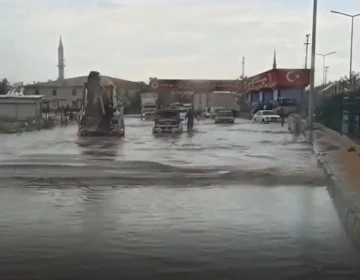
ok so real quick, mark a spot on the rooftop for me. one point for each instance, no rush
(81, 80)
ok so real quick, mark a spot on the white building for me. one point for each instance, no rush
(63, 92)
(18, 107)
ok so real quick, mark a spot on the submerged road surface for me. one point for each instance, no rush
(242, 201)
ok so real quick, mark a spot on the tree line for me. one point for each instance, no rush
(5, 86)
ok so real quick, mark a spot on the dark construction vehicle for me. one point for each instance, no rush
(101, 114)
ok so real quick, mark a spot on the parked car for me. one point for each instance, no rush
(266, 116)
(214, 110)
(167, 121)
(224, 116)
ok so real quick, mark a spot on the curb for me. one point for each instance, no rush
(348, 214)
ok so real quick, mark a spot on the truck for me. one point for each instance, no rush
(149, 102)
(200, 102)
(101, 113)
(224, 99)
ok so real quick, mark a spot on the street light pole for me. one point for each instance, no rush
(312, 69)
(243, 68)
(352, 36)
(324, 56)
(306, 49)
(351, 47)
(326, 72)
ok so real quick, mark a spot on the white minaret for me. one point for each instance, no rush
(61, 61)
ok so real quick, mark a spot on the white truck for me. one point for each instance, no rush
(200, 101)
(225, 99)
(148, 104)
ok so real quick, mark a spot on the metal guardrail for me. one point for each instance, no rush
(340, 112)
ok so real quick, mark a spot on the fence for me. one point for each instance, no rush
(340, 112)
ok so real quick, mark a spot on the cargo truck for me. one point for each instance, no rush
(149, 102)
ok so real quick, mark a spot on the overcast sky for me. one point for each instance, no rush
(138, 39)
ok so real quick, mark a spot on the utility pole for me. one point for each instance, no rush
(326, 68)
(307, 43)
(312, 69)
(243, 68)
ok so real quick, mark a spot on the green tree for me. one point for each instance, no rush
(4, 86)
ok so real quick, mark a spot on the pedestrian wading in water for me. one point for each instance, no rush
(190, 115)
(281, 113)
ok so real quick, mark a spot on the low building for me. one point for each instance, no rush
(63, 92)
(18, 107)
(277, 83)
(60, 93)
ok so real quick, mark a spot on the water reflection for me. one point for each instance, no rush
(170, 137)
(100, 148)
(184, 206)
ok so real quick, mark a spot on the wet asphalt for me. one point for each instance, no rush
(241, 201)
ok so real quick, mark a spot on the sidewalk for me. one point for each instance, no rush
(340, 157)
(334, 148)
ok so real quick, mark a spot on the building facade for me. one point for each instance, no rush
(20, 107)
(68, 92)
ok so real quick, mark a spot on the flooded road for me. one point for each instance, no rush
(242, 201)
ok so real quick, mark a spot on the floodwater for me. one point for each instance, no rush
(242, 201)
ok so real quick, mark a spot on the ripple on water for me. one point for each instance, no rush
(145, 232)
(220, 216)
(153, 173)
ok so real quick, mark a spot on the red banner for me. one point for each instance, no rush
(279, 78)
(166, 85)
(292, 78)
(261, 81)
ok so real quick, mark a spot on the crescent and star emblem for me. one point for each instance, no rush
(291, 76)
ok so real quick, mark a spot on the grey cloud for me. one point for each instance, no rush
(140, 40)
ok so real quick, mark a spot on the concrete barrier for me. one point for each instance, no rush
(295, 124)
(346, 200)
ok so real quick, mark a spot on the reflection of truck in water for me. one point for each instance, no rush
(148, 104)
(101, 114)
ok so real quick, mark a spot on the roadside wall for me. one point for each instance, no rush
(346, 198)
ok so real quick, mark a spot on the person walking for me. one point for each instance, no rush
(190, 115)
(281, 113)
